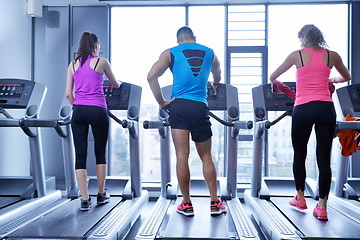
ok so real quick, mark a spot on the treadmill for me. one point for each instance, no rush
(347, 190)
(63, 129)
(114, 219)
(22, 195)
(268, 198)
(349, 100)
(164, 222)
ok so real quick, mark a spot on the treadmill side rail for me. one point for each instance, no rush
(32, 216)
(244, 226)
(150, 227)
(117, 224)
(273, 224)
(344, 207)
(32, 204)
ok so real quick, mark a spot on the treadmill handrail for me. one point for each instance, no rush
(266, 124)
(223, 122)
(287, 113)
(56, 124)
(126, 123)
(156, 124)
(355, 125)
(238, 124)
(26, 123)
(9, 122)
(34, 122)
(14, 122)
(5, 113)
(123, 123)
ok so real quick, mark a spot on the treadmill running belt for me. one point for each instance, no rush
(5, 201)
(338, 225)
(67, 221)
(200, 226)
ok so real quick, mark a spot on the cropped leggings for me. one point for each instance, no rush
(322, 115)
(82, 118)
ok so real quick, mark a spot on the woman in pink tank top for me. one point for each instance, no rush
(85, 75)
(313, 107)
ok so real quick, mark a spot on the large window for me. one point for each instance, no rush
(284, 23)
(286, 20)
(250, 41)
(246, 53)
(138, 36)
(207, 22)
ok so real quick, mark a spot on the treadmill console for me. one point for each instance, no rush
(15, 93)
(218, 101)
(264, 98)
(117, 98)
(127, 97)
(349, 99)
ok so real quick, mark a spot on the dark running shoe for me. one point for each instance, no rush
(103, 198)
(217, 208)
(186, 209)
(85, 204)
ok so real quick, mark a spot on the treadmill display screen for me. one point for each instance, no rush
(278, 102)
(218, 101)
(11, 90)
(117, 98)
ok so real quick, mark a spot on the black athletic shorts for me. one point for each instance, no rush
(191, 115)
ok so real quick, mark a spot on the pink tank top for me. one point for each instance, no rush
(89, 86)
(312, 80)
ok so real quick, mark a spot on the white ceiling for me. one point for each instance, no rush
(173, 2)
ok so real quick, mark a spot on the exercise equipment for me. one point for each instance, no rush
(268, 197)
(112, 220)
(164, 222)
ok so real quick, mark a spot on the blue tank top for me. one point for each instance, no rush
(191, 66)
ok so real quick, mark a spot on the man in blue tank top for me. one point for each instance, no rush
(190, 64)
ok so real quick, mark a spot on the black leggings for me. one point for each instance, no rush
(322, 115)
(97, 118)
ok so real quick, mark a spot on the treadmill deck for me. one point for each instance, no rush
(6, 201)
(337, 226)
(200, 226)
(66, 221)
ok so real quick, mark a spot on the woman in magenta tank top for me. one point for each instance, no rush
(85, 75)
(313, 107)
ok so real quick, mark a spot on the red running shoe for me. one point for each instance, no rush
(185, 209)
(320, 213)
(300, 204)
(217, 208)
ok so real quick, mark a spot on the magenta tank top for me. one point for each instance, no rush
(312, 80)
(89, 86)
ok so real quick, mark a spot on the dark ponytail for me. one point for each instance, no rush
(86, 46)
